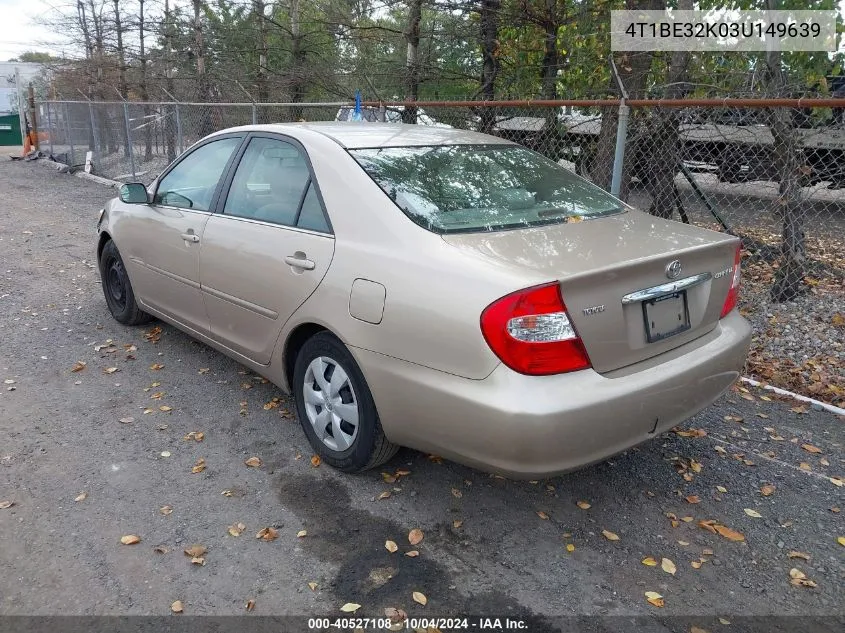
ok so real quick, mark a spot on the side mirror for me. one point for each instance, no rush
(133, 193)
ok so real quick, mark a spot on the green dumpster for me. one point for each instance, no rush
(10, 130)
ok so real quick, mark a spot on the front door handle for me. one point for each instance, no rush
(299, 262)
(191, 237)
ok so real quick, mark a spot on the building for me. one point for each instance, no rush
(14, 77)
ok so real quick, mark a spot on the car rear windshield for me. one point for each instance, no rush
(474, 188)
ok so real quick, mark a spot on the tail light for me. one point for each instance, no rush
(531, 333)
(733, 293)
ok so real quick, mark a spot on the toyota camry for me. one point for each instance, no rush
(433, 288)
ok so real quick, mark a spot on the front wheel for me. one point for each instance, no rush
(118, 290)
(335, 407)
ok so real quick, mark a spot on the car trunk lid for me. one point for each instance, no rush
(625, 297)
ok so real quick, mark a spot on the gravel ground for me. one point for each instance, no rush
(492, 547)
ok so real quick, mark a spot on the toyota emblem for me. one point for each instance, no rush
(673, 269)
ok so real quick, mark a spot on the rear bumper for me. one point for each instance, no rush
(536, 426)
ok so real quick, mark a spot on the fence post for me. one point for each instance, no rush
(69, 129)
(95, 133)
(50, 127)
(33, 122)
(180, 142)
(129, 143)
(254, 115)
(619, 152)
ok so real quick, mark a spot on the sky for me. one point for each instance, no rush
(18, 32)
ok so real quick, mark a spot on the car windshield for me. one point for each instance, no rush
(473, 188)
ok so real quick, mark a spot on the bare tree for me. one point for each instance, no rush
(489, 23)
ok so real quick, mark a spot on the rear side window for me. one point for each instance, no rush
(269, 182)
(473, 188)
(311, 215)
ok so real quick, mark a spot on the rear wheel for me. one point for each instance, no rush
(118, 290)
(335, 407)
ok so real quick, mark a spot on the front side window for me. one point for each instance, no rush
(192, 182)
(472, 188)
(269, 182)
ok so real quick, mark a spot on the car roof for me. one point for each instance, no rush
(355, 135)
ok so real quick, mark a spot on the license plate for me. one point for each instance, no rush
(666, 316)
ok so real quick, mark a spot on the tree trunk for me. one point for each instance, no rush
(412, 61)
(662, 156)
(789, 205)
(261, 50)
(633, 71)
(169, 113)
(203, 86)
(299, 58)
(142, 82)
(121, 77)
(490, 59)
(551, 55)
(89, 67)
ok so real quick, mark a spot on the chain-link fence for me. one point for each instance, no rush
(771, 172)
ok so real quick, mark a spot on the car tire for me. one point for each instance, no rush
(117, 288)
(343, 429)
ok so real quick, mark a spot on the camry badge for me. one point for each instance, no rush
(673, 269)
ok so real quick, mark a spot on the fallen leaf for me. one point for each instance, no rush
(415, 536)
(811, 449)
(165, 510)
(199, 560)
(542, 515)
(316, 461)
(391, 546)
(457, 493)
(111, 370)
(128, 420)
(728, 533)
(841, 540)
(177, 607)
(350, 607)
(199, 466)
(668, 566)
(584, 505)
(570, 547)
(687, 519)
(197, 436)
(388, 478)
(384, 495)
(690, 432)
(457, 523)
(683, 543)
(654, 598)
(733, 418)
(794, 554)
(160, 549)
(693, 499)
(227, 493)
(799, 579)
(696, 564)
(767, 490)
(648, 561)
(799, 409)
(724, 621)
(419, 598)
(236, 530)
(610, 536)
(721, 489)
(707, 551)
(268, 534)
(165, 408)
(250, 605)
(412, 553)
(253, 462)
(824, 462)
(695, 629)
(156, 366)
(203, 370)
(82, 496)
(78, 366)
(312, 586)
(837, 481)
(195, 551)
(302, 534)
(130, 539)
(805, 466)
(753, 513)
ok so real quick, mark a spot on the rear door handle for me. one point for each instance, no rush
(299, 262)
(191, 237)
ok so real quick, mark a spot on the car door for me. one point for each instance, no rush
(266, 249)
(163, 239)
